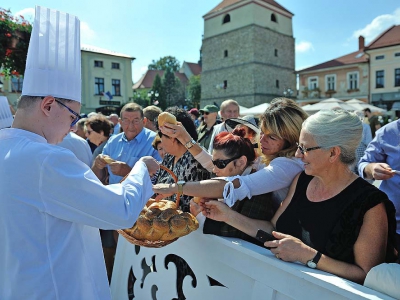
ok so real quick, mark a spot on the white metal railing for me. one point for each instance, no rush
(224, 268)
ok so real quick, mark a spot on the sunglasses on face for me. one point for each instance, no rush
(222, 163)
(205, 113)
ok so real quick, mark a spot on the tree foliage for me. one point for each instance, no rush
(15, 33)
(165, 63)
(171, 88)
(194, 90)
(158, 88)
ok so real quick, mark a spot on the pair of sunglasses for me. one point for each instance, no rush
(222, 163)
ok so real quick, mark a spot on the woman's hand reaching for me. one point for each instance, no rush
(215, 209)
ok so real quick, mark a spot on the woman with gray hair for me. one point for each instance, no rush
(331, 219)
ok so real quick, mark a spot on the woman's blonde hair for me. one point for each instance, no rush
(283, 118)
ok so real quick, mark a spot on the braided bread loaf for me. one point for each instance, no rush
(161, 221)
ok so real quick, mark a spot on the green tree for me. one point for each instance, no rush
(140, 97)
(158, 88)
(165, 63)
(170, 88)
(194, 91)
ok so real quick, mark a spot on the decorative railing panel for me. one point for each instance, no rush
(212, 267)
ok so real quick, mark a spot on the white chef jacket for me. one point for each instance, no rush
(51, 205)
(79, 147)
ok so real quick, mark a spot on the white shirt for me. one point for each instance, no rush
(79, 147)
(276, 178)
(51, 205)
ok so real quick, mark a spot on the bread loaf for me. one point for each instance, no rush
(108, 159)
(166, 117)
(161, 221)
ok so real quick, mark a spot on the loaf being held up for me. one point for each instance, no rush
(166, 117)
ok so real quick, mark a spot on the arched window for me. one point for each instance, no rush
(276, 52)
(226, 19)
(273, 18)
(226, 53)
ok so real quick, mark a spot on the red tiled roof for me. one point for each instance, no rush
(226, 3)
(195, 68)
(146, 81)
(348, 59)
(389, 37)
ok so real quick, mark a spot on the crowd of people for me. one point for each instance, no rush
(291, 175)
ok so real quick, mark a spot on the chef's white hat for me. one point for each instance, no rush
(6, 117)
(53, 65)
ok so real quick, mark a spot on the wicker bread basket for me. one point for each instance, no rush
(127, 233)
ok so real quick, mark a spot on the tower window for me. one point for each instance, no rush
(226, 53)
(277, 84)
(225, 84)
(276, 52)
(226, 19)
(273, 18)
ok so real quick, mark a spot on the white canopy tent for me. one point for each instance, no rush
(330, 103)
(256, 110)
(361, 105)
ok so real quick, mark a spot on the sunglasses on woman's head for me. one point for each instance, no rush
(222, 163)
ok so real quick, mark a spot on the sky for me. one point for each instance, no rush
(150, 29)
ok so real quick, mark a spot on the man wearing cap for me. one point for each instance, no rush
(229, 109)
(204, 132)
(51, 203)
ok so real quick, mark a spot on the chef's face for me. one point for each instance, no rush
(63, 116)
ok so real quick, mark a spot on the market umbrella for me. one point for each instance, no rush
(256, 110)
(330, 103)
(361, 105)
(242, 108)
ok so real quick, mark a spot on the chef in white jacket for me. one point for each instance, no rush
(51, 204)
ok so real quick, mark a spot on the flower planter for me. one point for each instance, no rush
(15, 38)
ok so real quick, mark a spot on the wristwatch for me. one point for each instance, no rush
(180, 184)
(190, 144)
(313, 262)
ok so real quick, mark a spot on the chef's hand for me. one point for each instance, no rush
(152, 165)
(119, 168)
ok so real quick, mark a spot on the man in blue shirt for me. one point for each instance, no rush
(381, 161)
(125, 148)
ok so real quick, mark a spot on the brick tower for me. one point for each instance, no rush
(247, 52)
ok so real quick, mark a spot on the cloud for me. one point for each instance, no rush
(304, 47)
(87, 34)
(27, 13)
(378, 25)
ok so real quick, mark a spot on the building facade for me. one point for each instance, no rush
(371, 74)
(106, 80)
(247, 52)
(384, 62)
(102, 71)
(344, 78)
